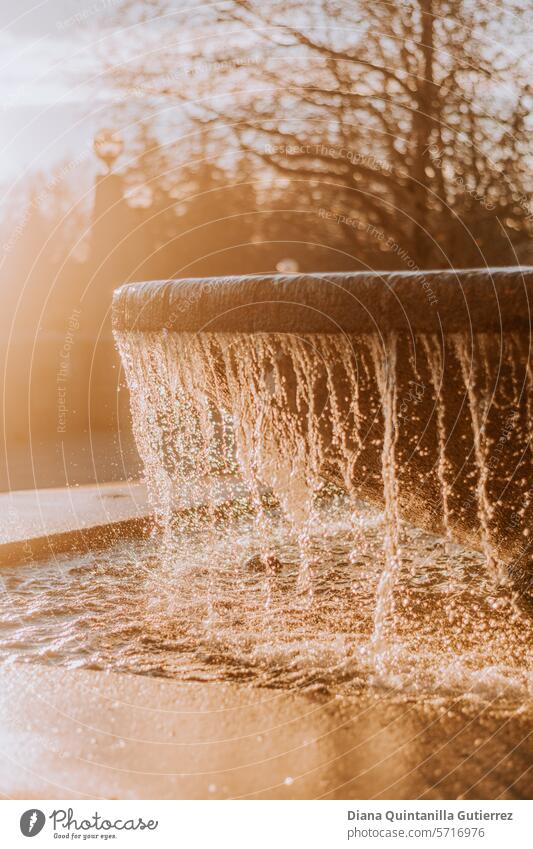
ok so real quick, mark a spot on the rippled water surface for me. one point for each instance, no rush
(211, 610)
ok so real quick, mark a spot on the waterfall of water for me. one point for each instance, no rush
(434, 358)
(281, 415)
(478, 415)
(384, 359)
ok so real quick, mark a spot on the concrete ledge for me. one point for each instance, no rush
(41, 523)
(36, 524)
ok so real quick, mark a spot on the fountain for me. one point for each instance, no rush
(336, 586)
(410, 390)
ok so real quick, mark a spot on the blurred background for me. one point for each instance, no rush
(149, 139)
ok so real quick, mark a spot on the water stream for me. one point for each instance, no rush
(298, 429)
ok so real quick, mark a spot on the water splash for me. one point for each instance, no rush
(279, 423)
(124, 609)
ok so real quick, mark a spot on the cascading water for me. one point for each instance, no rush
(484, 507)
(279, 435)
(433, 355)
(385, 372)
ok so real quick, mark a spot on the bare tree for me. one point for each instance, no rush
(406, 119)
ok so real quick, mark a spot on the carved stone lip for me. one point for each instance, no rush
(443, 301)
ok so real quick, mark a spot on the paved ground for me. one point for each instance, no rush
(74, 734)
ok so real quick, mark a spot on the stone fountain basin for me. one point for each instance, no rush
(485, 393)
(80, 734)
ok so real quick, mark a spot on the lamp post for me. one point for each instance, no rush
(108, 145)
(109, 211)
(110, 263)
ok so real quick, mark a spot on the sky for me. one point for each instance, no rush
(52, 95)
(48, 109)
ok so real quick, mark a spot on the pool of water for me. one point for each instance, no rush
(208, 607)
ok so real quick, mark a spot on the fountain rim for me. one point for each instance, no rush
(450, 300)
